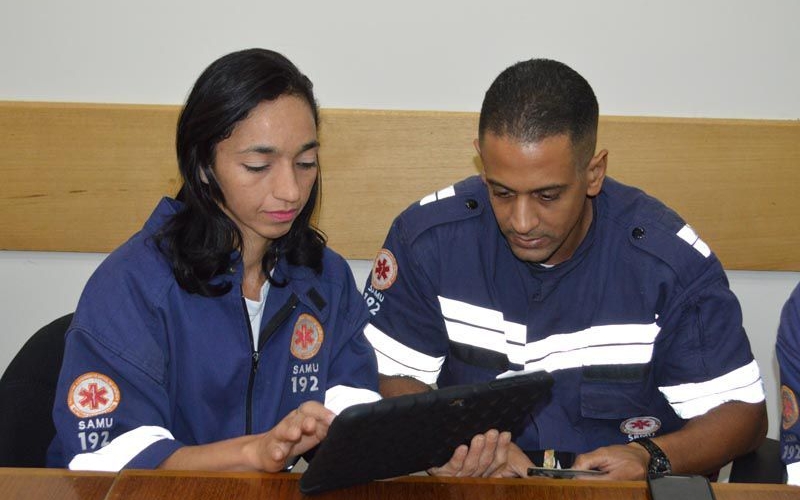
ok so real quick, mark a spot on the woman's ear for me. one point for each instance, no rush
(203, 176)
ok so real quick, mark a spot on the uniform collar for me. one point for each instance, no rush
(300, 281)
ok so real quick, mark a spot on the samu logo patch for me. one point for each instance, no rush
(92, 394)
(307, 337)
(637, 427)
(384, 270)
(790, 412)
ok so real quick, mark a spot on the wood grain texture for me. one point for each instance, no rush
(84, 177)
(167, 485)
(56, 484)
(60, 484)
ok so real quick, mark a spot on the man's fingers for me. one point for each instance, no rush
(500, 456)
(453, 465)
(487, 459)
(473, 457)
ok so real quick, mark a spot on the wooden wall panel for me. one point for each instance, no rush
(84, 177)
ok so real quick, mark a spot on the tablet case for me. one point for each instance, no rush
(397, 436)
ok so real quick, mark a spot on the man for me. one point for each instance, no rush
(544, 263)
(787, 349)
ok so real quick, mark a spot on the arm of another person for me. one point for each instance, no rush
(787, 349)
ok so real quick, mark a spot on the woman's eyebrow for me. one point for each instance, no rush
(266, 150)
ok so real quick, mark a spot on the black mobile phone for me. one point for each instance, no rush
(561, 473)
(684, 487)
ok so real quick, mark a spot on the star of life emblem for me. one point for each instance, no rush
(790, 412)
(384, 270)
(637, 427)
(92, 394)
(307, 337)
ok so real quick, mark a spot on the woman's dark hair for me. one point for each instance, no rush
(201, 239)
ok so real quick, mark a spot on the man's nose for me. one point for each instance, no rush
(524, 217)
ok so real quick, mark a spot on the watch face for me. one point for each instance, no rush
(659, 465)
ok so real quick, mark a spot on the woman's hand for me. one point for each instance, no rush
(298, 432)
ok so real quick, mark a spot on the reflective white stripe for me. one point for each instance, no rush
(607, 344)
(484, 328)
(740, 377)
(597, 355)
(474, 315)
(701, 247)
(793, 474)
(592, 346)
(476, 337)
(753, 393)
(438, 195)
(428, 199)
(741, 384)
(516, 332)
(120, 451)
(395, 358)
(339, 397)
(688, 235)
(446, 192)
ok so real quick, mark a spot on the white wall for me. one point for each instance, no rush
(714, 58)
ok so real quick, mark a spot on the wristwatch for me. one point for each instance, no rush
(659, 463)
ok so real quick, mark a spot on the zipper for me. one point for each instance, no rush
(272, 326)
(248, 424)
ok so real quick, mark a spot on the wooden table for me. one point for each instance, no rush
(36, 484)
(57, 484)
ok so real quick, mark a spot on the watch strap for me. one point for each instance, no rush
(659, 463)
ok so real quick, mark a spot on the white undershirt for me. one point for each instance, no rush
(255, 309)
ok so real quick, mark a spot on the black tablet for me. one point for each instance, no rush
(397, 436)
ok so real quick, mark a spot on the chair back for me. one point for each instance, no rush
(763, 465)
(27, 392)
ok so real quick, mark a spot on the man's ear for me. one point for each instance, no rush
(596, 172)
(477, 144)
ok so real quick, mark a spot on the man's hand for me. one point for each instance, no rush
(298, 432)
(620, 462)
(488, 455)
(702, 446)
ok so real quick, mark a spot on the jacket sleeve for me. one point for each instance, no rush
(353, 374)
(406, 326)
(112, 407)
(788, 352)
(702, 356)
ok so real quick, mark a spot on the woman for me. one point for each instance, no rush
(211, 339)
